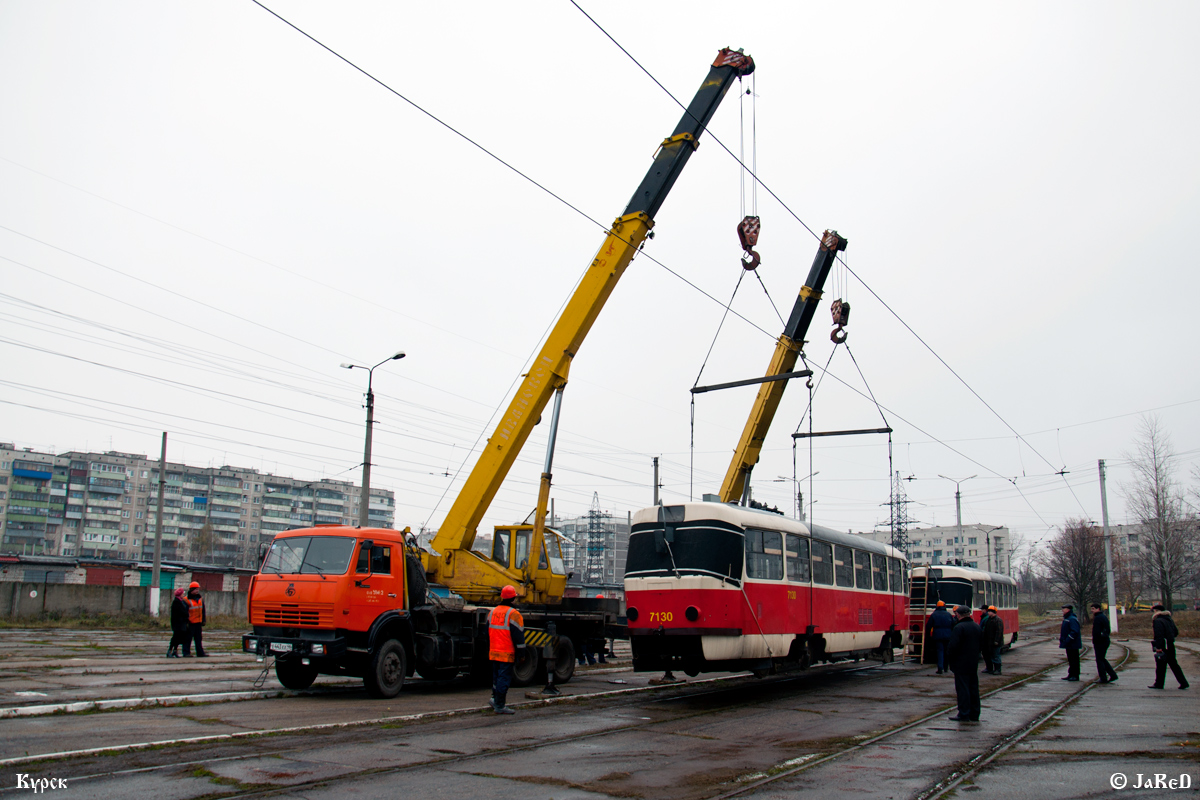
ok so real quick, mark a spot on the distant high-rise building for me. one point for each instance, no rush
(104, 505)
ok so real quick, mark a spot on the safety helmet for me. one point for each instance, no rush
(193, 585)
(991, 608)
(941, 604)
(508, 593)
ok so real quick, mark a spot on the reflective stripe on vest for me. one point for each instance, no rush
(499, 637)
(196, 609)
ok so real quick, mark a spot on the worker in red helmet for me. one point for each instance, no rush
(506, 636)
(196, 620)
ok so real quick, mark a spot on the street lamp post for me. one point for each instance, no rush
(958, 510)
(799, 498)
(365, 501)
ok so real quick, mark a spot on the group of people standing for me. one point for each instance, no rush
(187, 622)
(960, 641)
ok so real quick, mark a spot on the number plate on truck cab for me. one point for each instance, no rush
(281, 647)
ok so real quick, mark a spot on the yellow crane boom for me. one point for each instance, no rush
(479, 578)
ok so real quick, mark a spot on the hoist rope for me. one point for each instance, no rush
(692, 421)
(769, 298)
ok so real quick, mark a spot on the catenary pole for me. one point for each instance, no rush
(1108, 559)
(158, 522)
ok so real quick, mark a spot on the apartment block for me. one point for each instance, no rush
(104, 505)
(980, 546)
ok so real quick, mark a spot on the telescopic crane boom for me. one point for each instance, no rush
(787, 350)
(479, 578)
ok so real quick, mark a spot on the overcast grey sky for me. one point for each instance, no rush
(203, 213)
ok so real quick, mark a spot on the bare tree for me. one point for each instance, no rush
(1169, 547)
(1074, 564)
(1128, 578)
(201, 543)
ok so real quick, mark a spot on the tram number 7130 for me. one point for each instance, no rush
(661, 616)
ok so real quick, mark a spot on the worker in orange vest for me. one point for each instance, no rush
(506, 635)
(196, 620)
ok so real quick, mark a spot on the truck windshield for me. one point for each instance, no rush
(326, 555)
(698, 550)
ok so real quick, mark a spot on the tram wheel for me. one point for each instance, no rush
(886, 655)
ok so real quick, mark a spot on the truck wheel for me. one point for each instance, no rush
(564, 660)
(294, 675)
(385, 673)
(525, 670)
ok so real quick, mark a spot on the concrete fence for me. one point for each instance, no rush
(24, 600)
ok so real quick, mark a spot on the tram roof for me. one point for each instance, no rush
(744, 517)
(967, 573)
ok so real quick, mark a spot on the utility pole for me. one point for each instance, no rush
(1108, 559)
(158, 521)
(958, 514)
(656, 484)
(365, 501)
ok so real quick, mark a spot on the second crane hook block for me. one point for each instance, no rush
(748, 230)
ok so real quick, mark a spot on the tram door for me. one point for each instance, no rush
(799, 577)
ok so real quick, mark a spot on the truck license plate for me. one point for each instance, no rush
(281, 647)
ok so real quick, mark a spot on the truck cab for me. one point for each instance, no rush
(334, 600)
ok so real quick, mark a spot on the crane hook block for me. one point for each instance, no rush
(748, 230)
(841, 318)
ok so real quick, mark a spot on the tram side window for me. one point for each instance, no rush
(822, 563)
(879, 572)
(764, 555)
(862, 569)
(894, 575)
(981, 596)
(843, 565)
(797, 559)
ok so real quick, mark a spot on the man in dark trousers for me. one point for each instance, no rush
(993, 640)
(1101, 633)
(1071, 640)
(1165, 632)
(179, 624)
(937, 633)
(506, 635)
(965, 640)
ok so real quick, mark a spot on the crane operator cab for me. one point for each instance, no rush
(511, 548)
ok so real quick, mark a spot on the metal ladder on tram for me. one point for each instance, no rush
(916, 626)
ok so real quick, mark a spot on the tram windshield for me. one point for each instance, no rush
(700, 550)
(953, 591)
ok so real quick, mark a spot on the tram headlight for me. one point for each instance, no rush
(692, 613)
(631, 614)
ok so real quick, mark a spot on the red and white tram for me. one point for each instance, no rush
(965, 586)
(717, 587)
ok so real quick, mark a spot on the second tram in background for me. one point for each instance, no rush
(960, 586)
(717, 587)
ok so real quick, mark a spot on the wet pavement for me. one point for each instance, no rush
(697, 740)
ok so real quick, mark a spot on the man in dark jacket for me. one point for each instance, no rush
(179, 624)
(1101, 633)
(1071, 640)
(964, 647)
(937, 633)
(1165, 632)
(993, 640)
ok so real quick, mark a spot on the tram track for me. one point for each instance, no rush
(956, 777)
